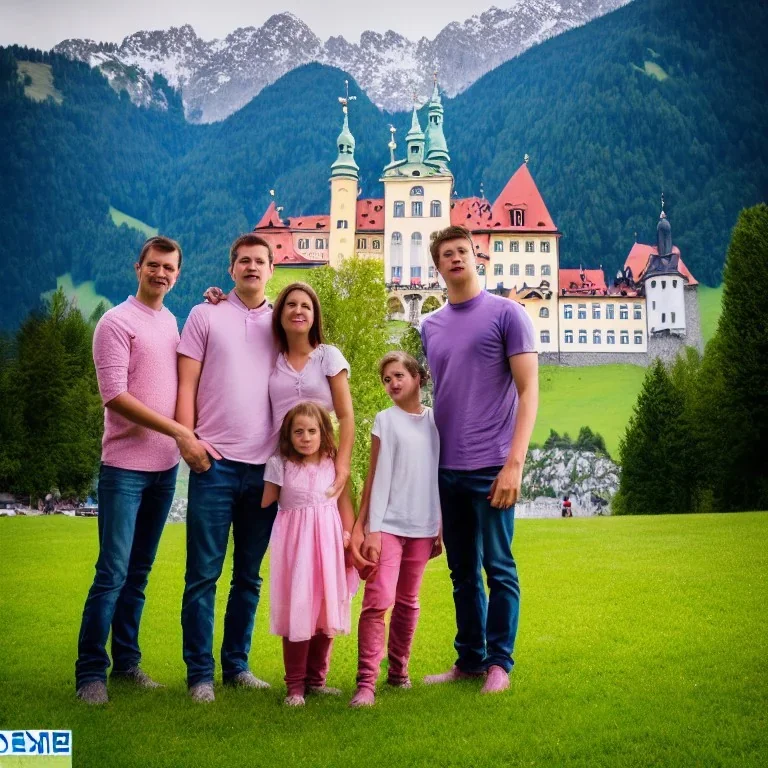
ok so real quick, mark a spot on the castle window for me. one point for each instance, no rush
(637, 311)
(638, 337)
(596, 337)
(653, 283)
(399, 209)
(431, 273)
(544, 246)
(544, 312)
(362, 243)
(653, 305)
(498, 269)
(663, 317)
(435, 208)
(672, 316)
(625, 337)
(609, 309)
(530, 270)
(303, 244)
(416, 273)
(623, 312)
(595, 311)
(342, 224)
(674, 283)
(582, 312)
(514, 246)
(377, 245)
(582, 336)
(569, 337)
(397, 273)
(396, 255)
(663, 284)
(319, 243)
(498, 246)
(514, 269)
(417, 191)
(546, 270)
(516, 217)
(529, 246)
(545, 337)
(414, 150)
(568, 311)
(416, 208)
(610, 337)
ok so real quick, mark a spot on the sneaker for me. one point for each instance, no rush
(453, 675)
(296, 700)
(94, 692)
(202, 692)
(364, 697)
(400, 682)
(496, 681)
(246, 679)
(137, 676)
(323, 690)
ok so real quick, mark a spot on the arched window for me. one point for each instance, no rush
(435, 209)
(543, 312)
(417, 191)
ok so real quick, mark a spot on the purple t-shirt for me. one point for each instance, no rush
(475, 399)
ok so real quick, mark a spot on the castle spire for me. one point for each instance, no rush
(345, 164)
(436, 150)
(415, 138)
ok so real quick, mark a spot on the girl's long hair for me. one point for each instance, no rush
(315, 332)
(323, 418)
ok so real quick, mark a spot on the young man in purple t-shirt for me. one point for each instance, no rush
(134, 351)
(226, 355)
(482, 356)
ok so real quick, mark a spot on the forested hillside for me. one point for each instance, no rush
(657, 95)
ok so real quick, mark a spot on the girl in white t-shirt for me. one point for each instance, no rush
(398, 529)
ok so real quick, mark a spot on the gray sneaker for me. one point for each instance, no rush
(94, 692)
(246, 679)
(137, 676)
(202, 692)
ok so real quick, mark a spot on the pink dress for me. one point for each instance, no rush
(309, 586)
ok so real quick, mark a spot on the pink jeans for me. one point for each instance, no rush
(306, 663)
(396, 580)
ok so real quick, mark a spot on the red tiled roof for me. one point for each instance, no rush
(640, 253)
(370, 215)
(521, 192)
(309, 223)
(282, 247)
(472, 213)
(271, 219)
(571, 281)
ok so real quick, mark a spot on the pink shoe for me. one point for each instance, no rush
(400, 682)
(453, 675)
(364, 697)
(497, 680)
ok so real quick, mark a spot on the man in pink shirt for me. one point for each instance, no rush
(226, 355)
(134, 351)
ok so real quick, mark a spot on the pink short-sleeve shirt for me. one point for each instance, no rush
(237, 350)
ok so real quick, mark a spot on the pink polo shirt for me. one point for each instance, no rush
(237, 350)
(134, 351)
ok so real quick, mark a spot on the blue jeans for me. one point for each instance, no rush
(478, 537)
(227, 495)
(133, 507)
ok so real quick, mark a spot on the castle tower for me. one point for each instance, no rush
(436, 146)
(414, 140)
(344, 192)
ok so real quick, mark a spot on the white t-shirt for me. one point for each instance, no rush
(404, 498)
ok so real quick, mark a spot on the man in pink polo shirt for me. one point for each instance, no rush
(134, 350)
(226, 355)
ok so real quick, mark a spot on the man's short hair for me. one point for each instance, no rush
(162, 244)
(449, 233)
(249, 238)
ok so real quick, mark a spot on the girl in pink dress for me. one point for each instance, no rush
(309, 590)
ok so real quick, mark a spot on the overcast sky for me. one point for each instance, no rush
(43, 23)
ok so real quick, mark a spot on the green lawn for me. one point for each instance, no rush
(710, 307)
(84, 294)
(642, 642)
(119, 218)
(42, 86)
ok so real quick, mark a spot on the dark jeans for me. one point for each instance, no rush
(478, 537)
(227, 495)
(133, 507)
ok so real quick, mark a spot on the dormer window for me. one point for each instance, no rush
(417, 191)
(517, 217)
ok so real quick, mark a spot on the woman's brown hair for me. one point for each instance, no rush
(409, 362)
(315, 332)
(313, 411)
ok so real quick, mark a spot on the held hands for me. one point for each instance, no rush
(372, 547)
(192, 451)
(505, 490)
(214, 295)
(437, 547)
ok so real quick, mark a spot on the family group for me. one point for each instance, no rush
(245, 395)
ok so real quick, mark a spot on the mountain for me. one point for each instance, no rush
(218, 77)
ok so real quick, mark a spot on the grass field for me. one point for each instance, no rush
(642, 642)
(119, 218)
(84, 294)
(710, 307)
(42, 86)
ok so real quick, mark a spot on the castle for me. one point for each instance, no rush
(650, 309)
